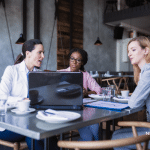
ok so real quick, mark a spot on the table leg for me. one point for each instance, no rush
(32, 144)
(61, 138)
(46, 144)
(101, 131)
(113, 122)
(107, 129)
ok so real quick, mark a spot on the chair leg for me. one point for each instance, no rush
(145, 146)
(16, 146)
(101, 131)
(107, 129)
(23, 145)
(70, 134)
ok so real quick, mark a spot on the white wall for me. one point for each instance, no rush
(122, 60)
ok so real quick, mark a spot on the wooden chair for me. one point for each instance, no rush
(48, 70)
(123, 80)
(69, 135)
(15, 145)
(107, 144)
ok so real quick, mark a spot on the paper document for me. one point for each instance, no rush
(107, 105)
(88, 100)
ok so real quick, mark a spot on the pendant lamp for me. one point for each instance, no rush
(98, 42)
(21, 40)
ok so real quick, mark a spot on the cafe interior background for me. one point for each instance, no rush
(65, 24)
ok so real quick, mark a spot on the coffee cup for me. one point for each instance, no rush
(23, 105)
(125, 93)
(119, 73)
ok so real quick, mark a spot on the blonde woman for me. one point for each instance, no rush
(139, 55)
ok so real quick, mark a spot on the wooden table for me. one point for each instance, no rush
(116, 80)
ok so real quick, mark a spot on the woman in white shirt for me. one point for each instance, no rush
(14, 85)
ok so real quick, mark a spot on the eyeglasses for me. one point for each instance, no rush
(77, 60)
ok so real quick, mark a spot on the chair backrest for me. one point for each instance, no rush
(48, 70)
(105, 144)
(15, 145)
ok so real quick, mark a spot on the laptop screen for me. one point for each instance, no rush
(56, 90)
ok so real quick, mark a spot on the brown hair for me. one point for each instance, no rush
(27, 46)
(19, 59)
(143, 42)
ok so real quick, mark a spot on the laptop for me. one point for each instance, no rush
(56, 90)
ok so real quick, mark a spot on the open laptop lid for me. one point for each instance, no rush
(56, 90)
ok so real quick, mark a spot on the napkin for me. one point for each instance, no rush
(95, 75)
(88, 100)
(100, 96)
(121, 98)
(52, 114)
(108, 75)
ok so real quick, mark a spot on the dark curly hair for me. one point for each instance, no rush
(83, 54)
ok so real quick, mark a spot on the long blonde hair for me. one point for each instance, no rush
(143, 42)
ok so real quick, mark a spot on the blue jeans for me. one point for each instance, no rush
(89, 133)
(39, 144)
(126, 133)
(11, 136)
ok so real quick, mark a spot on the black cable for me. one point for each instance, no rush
(3, 2)
(56, 17)
(62, 47)
(50, 43)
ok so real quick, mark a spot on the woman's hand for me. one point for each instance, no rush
(84, 92)
(91, 92)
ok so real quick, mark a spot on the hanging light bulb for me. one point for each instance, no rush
(98, 42)
(21, 40)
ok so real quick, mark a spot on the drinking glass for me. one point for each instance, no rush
(104, 92)
(108, 89)
(113, 88)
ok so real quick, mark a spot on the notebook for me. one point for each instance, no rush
(107, 105)
(56, 90)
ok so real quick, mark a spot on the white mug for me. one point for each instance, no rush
(125, 93)
(23, 105)
(119, 73)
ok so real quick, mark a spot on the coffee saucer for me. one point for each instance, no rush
(23, 112)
